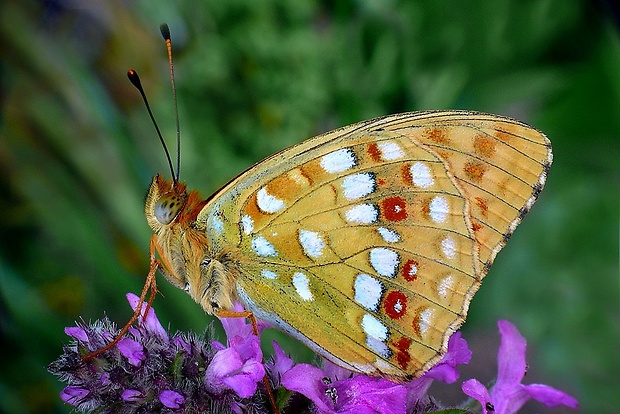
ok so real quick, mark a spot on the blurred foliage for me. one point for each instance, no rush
(77, 153)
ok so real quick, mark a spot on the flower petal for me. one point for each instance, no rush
(511, 354)
(132, 350)
(445, 370)
(73, 395)
(151, 323)
(234, 326)
(336, 372)
(248, 348)
(244, 382)
(281, 361)
(131, 395)
(223, 363)
(550, 396)
(77, 333)
(171, 399)
(307, 380)
(363, 394)
(228, 370)
(476, 390)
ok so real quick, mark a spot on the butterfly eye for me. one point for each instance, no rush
(168, 207)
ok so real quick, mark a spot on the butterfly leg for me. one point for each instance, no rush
(250, 316)
(150, 284)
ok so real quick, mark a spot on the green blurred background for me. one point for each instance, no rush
(77, 153)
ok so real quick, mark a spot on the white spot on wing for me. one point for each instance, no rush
(216, 224)
(268, 274)
(262, 247)
(421, 175)
(358, 185)
(374, 328)
(312, 243)
(368, 291)
(338, 161)
(268, 203)
(301, 283)
(426, 317)
(379, 347)
(413, 269)
(448, 248)
(439, 209)
(390, 151)
(247, 224)
(362, 214)
(384, 261)
(388, 235)
(444, 285)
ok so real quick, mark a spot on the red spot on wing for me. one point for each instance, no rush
(410, 270)
(402, 352)
(394, 208)
(395, 304)
(374, 152)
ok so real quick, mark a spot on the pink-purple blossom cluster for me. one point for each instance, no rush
(150, 370)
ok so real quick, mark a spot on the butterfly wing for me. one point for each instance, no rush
(368, 242)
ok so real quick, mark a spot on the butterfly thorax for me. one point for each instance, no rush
(188, 261)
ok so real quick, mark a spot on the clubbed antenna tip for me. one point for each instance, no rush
(165, 31)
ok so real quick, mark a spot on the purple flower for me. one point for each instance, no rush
(149, 370)
(73, 395)
(77, 333)
(151, 323)
(445, 370)
(280, 363)
(131, 395)
(508, 395)
(336, 390)
(171, 399)
(355, 394)
(132, 350)
(239, 366)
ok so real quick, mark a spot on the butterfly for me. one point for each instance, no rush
(366, 243)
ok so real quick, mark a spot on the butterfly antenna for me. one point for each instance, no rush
(165, 32)
(135, 80)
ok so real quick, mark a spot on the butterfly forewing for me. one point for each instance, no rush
(367, 243)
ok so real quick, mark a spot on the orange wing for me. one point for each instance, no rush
(368, 242)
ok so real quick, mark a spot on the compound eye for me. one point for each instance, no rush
(168, 207)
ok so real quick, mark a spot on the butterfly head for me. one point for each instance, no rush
(165, 202)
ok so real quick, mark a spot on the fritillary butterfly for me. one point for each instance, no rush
(366, 243)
